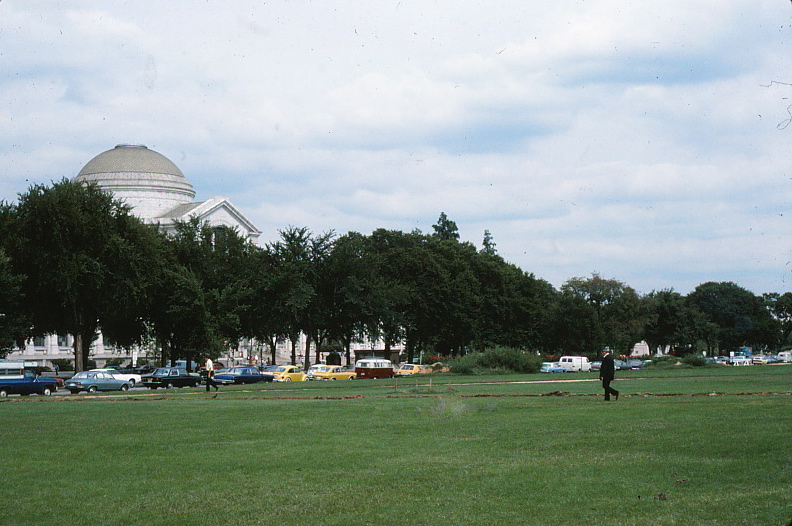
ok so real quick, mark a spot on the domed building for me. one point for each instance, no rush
(158, 191)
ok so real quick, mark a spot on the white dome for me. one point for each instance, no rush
(144, 179)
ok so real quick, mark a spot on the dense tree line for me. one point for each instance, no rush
(74, 260)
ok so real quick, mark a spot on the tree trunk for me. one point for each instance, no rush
(273, 343)
(78, 353)
(294, 350)
(307, 354)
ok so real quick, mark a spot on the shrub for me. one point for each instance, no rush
(696, 360)
(115, 362)
(497, 360)
(63, 364)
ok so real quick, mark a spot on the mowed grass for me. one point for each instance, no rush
(686, 446)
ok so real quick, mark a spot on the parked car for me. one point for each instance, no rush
(621, 365)
(170, 377)
(93, 381)
(759, 360)
(407, 369)
(333, 372)
(551, 367)
(242, 375)
(595, 366)
(722, 360)
(132, 378)
(15, 379)
(218, 367)
(145, 369)
(289, 373)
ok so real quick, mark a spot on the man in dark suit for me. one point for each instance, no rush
(607, 373)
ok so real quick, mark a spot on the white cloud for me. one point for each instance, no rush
(641, 141)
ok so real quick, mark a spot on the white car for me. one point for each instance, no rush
(132, 378)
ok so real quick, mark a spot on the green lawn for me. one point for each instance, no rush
(703, 446)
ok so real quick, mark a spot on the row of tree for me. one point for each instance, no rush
(74, 260)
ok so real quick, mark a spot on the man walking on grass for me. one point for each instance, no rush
(607, 373)
(210, 372)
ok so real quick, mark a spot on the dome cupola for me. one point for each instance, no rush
(142, 178)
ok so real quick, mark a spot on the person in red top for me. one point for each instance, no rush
(607, 374)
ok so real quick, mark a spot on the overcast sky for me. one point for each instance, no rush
(648, 142)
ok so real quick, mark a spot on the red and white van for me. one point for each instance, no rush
(373, 368)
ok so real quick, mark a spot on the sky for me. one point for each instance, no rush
(647, 142)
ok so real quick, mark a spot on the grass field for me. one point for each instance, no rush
(707, 446)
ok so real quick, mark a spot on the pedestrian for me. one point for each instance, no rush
(57, 370)
(607, 374)
(210, 373)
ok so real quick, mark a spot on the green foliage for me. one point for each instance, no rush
(116, 362)
(86, 261)
(63, 364)
(497, 360)
(696, 360)
(73, 260)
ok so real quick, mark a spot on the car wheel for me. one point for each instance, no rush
(169, 385)
(3, 393)
(125, 387)
(92, 389)
(47, 391)
(332, 379)
(132, 382)
(287, 379)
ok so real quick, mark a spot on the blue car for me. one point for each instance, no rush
(93, 381)
(551, 367)
(242, 375)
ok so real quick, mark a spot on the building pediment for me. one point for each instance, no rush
(216, 211)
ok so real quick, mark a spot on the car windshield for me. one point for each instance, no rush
(84, 375)
(162, 371)
(280, 369)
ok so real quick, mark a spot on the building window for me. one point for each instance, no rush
(39, 341)
(63, 341)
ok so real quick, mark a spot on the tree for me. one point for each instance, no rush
(488, 245)
(14, 328)
(445, 229)
(302, 258)
(351, 282)
(203, 294)
(87, 263)
(614, 313)
(780, 306)
(664, 318)
(741, 318)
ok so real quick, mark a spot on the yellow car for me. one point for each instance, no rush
(333, 372)
(406, 369)
(288, 373)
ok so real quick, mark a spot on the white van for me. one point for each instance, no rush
(575, 363)
(786, 356)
